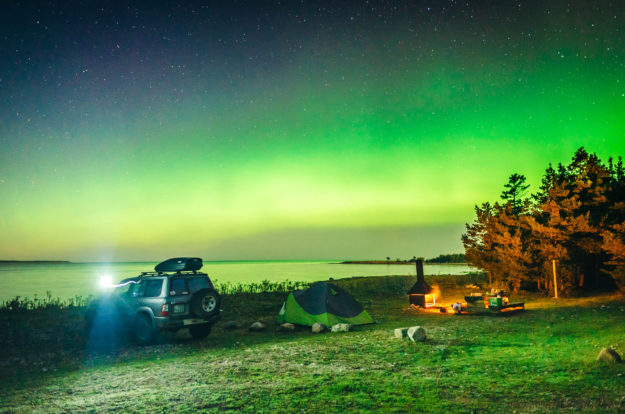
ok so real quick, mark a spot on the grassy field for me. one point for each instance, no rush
(541, 360)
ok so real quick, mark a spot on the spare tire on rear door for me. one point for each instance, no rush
(205, 303)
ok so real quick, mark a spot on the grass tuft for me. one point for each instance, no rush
(22, 304)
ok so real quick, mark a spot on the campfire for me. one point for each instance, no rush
(423, 297)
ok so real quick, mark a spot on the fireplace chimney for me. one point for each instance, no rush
(420, 293)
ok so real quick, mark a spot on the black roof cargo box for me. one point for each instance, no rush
(179, 264)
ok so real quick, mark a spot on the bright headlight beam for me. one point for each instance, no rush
(105, 282)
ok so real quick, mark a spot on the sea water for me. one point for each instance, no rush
(67, 280)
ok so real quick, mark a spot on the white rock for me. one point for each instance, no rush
(416, 334)
(342, 327)
(608, 355)
(318, 327)
(401, 333)
(257, 326)
(286, 327)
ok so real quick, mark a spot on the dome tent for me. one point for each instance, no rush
(325, 303)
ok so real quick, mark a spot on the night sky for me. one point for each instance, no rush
(289, 130)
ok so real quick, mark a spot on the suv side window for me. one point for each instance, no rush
(197, 283)
(153, 288)
(178, 286)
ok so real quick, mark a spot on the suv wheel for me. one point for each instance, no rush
(145, 334)
(200, 331)
(205, 303)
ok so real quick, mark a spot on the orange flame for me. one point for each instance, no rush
(437, 292)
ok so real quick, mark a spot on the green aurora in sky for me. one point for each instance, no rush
(361, 135)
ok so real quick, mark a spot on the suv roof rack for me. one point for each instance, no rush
(151, 274)
(178, 273)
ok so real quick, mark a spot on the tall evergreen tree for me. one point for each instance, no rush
(548, 182)
(514, 192)
(620, 170)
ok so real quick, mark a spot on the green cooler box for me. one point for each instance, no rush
(494, 301)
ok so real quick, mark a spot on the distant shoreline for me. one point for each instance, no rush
(35, 262)
(373, 262)
(400, 262)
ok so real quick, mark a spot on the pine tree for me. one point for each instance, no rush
(620, 171)
(547, 183)
(614, 245)
(515, 191)
(613, 233)
(477, 241)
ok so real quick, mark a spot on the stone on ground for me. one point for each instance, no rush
(231, 325)
(608, 355)
(318, 327)
(342, 327)
(416, 334)
(401, 333)
(286, 327)
(257, 326)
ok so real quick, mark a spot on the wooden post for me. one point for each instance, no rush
(555, 280)
(490, 279)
